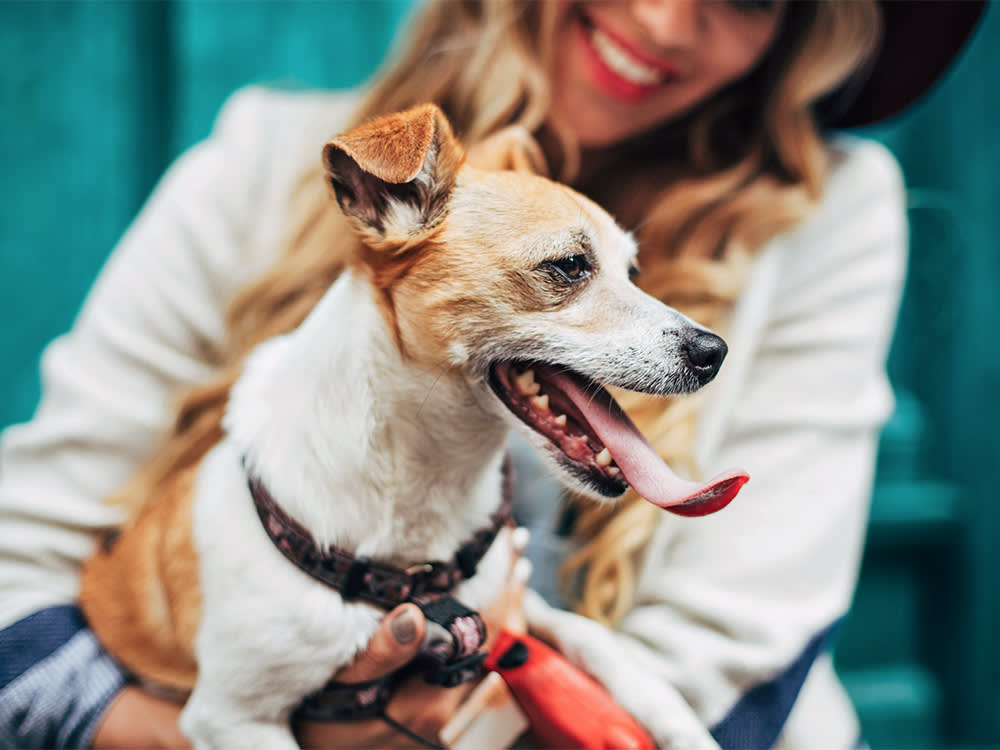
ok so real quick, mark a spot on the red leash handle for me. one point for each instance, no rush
(566, 707)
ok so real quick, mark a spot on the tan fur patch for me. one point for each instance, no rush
(142, 597)
(393, 148)
(481, 267)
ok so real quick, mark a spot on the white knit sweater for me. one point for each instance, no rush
(725, 603)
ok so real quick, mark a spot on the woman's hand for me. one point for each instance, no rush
(420, 707)
(423, 709)
(137, 719)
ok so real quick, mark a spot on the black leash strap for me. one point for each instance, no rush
(339, 701)
(409, 732)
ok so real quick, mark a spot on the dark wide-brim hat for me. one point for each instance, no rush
(920, 38)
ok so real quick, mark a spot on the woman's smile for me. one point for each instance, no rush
(625, 66)
(618, 68)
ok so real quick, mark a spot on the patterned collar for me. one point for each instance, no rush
(368, 580)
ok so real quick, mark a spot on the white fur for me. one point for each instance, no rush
(350, 465)
(342, 430)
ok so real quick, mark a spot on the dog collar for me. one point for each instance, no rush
(361, 578)
(449, 660)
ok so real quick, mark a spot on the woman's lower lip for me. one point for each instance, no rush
(606, 79)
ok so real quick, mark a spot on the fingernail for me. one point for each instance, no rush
(437, 637)
(404, 626)
(519, 539)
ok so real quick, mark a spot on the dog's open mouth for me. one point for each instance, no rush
(601, 445)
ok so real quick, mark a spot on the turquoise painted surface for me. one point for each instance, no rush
(98, 97)
(936, 513)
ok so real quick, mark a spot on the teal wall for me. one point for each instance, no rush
(920, 650)
(97, 97)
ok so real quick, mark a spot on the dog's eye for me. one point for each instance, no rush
(633, 272)
(571, 268)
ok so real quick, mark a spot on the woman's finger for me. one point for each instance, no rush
(396, 642)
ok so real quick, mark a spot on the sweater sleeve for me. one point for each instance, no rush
(733, 609)
(55, 681)
(151, 325)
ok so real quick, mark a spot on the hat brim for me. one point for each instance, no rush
(920, 38)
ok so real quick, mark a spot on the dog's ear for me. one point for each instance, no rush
(513, 149)
(393, 176)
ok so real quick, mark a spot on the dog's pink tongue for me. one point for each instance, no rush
(639, 462)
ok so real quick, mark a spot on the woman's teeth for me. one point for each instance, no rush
(622, 63)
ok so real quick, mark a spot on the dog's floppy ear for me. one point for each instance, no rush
(392, 177)
(513, 148)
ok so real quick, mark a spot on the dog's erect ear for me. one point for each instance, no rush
(513, 149)
(393, 176)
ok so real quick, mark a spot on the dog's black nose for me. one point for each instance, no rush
(704, 352)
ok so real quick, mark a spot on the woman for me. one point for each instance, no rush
(693, 122)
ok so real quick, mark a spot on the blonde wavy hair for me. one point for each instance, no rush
(750, 163)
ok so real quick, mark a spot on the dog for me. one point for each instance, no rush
(478, 301)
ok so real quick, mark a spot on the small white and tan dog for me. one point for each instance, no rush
(478, 301)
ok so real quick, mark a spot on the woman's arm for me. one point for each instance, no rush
(152, 324)
(733, 609)
(137, 719)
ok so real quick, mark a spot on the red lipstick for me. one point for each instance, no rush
(612, 81)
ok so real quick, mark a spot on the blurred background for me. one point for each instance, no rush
(98, 97)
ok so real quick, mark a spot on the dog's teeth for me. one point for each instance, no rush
(526, 383)
(561, 420)
(541, 402)
(614, 471)
(603, 458)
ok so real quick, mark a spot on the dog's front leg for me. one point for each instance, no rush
(252, 675)
(242, 699)
(268, 634)
(210, 723)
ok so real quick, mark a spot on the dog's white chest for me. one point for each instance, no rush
(273, 609)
